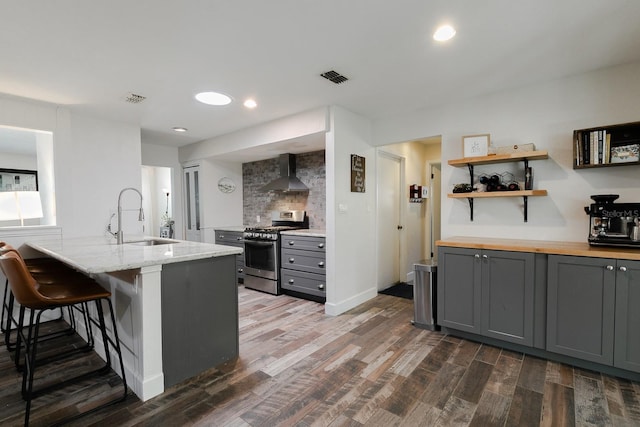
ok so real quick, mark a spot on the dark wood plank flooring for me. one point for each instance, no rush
(370, 366)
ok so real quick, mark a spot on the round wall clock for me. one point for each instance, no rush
(226, 185)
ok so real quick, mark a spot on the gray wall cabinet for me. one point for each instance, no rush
(233, 238)
(488, 292)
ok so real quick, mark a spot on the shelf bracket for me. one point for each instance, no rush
(470, 166)
(526, 203)
(470, 199)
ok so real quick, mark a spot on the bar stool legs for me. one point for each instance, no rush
(31, 361)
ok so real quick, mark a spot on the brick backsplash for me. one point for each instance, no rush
(310, 169)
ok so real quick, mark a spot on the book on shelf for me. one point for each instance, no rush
(593, 148)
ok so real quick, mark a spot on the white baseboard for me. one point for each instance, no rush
(334, 309)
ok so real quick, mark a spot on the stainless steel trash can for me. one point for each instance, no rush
(424, 294)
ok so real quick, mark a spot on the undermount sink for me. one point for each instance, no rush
(150, 242)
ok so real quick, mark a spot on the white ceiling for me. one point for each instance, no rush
(88, 55)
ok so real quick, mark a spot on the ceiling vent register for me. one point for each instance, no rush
(133, 98)
(334, 77)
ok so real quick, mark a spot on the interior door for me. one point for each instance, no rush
(192, 203)
(434, 203)
(390, 229)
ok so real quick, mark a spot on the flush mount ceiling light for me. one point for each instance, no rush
(179, 129)
(444, 33)
(250, 103)
(213, 98)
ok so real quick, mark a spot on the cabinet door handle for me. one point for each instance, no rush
(610, 267)
(291, 243)
(485, 256)
(238, 238)
(477, 255)
(623, 268)
(240, 270)
(291, 281)
(321, 245)
(321, 264)
(321, 286)
(292, 259)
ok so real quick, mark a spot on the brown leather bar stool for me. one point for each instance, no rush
(30, 295)
(46, 271)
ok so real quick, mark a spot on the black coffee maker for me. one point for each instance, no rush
(613, 224)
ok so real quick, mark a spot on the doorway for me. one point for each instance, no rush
(435, 170)
(157, 191)
(390, 219)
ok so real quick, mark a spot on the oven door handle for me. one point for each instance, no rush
(257, 243)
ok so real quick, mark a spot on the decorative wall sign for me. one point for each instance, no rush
(18, 180)
(226, 185)
(357, 174)
(475, 145)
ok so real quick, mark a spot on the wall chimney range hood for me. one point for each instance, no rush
(288, 180)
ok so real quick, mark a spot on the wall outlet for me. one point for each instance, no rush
(258, 219)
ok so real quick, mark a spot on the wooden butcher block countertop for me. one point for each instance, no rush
(542, 246)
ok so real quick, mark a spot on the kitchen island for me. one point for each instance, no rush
(175, 301)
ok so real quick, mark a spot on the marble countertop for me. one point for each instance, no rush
(230, 228)
(309, 232)
(101, 254)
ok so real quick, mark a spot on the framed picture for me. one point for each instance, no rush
(475, 145)
(625, 153)
(357, 173)
(18, 180)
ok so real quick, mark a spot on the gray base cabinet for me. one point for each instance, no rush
(581, 307)
(627, 335)
(459, 281)
(593, 310)
(303, 266)
(233, 238)
(490, 293)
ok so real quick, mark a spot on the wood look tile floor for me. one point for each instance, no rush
(370, 366)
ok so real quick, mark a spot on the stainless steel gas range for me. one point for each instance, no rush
(262, 250)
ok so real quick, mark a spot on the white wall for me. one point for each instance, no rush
(219, 209)
(351, 242)
(18, 161)
(93, 160)
(545, 114)
(302, 124)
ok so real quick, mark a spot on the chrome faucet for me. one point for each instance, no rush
(119, 234)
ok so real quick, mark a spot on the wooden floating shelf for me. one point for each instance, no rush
(500, 158)
(486, 194)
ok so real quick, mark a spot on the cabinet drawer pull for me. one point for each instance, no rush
(321, 286)
(623, 268)
(321, 245)
(292, 260)
(240, 270)
(477, 255)
(610, 267)
(485, 256)
(291, 243)
(238, 238)
(321, 264)
(291, 281)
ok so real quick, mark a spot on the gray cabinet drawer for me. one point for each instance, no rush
(231, 238)
(309, 261)
(307, 283)
(316, 244)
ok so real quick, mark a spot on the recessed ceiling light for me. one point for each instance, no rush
(250, 103)
(179, 129)
(444, 33)
(213, 98)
